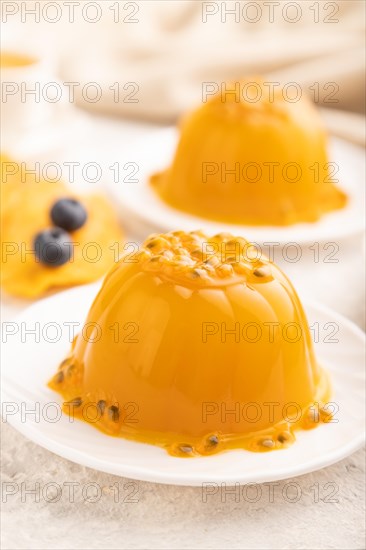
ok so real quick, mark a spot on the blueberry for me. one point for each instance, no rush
(52, 246)
(69, 214)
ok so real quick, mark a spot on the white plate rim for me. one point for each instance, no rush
(166, 477)
(141, 207)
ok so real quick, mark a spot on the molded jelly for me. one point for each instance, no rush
(198, 345)
(252, 157)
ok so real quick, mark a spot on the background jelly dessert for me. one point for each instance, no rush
(196, 344)
(28, 229)
(12, 59)
(252, 157)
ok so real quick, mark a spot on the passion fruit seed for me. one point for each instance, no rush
(325, 415)
(231, 260)
(284, 437)
(212, 262)
(311, 416)
(155, 259)
(268, 443)
(185, 448)
(198, 274)
(59, 377)
(262, 272)
(113, 412)
(212, 440)
(183, 259)
(157, 244)
(208, 268)
(76, 402)
(101, 406)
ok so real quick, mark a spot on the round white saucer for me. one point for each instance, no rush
(144, 212)
(29, 360)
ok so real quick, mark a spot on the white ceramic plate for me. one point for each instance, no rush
(28, 365)
(144, 212)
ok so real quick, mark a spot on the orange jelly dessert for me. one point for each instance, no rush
(252, 156)
(51, 238)
(197, 345)
(12, 59)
